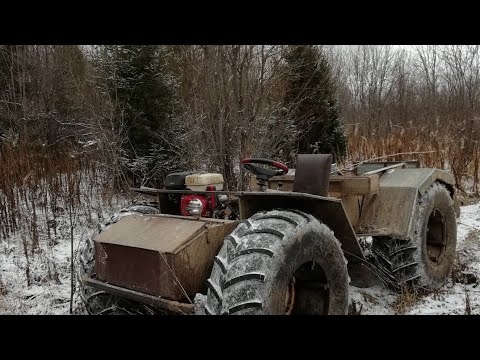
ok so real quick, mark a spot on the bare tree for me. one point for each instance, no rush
(229, 96)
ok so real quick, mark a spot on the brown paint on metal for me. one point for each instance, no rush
(351, 204)
(338, 185)
(328, 210)
(365, 211)
(163, 234)
(145, 267)
(169, 305)
(393, 211)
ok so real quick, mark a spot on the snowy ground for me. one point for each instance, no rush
(49, 273)
(48, 268)
(455, 298)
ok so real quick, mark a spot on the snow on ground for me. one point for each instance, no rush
(49, 291)
(454, 298)
(48, 268)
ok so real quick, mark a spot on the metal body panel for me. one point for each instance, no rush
(156, 259)
(375, 165)
(350, 189)
(394, 209)
(169, 305)
(163, 234)
(330, 211)
(420, 179)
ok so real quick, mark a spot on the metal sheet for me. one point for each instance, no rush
(169, 305)
(393, 212)
(419, 179)
(328, 210)
(170, 275)
(157, 233)
(374, 165)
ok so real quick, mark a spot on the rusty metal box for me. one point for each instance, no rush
(161, 255)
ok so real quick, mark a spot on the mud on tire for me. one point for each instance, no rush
(277, 262)
(98, 302)
(426, 260)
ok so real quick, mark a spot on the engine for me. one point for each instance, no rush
(205, 205)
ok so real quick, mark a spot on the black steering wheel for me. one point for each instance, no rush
(263, 174)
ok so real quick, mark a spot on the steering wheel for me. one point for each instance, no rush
(263, 174)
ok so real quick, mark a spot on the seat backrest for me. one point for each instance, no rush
(312, 174)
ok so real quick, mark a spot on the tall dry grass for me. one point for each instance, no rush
(444, 148)
(43, 193)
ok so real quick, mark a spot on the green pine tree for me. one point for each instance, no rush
(312, 105)
(139, 82)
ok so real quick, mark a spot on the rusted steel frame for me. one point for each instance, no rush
(169, 305)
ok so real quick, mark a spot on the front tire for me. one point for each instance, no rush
(279, 262)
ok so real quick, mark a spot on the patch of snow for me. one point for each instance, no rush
(88, 143)
(42, 285)
(454, 298)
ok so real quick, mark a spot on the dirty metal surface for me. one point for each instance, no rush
(157, 233)
(145, 266)
(375, 165)
(420, 179)
(338, 185)
(328, 210)
(384, 169)
(169, 305)
(393, 211)
(131, 267)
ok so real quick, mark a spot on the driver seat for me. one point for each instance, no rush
(312, 174)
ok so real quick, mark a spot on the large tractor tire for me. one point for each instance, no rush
(426, 260)
(278, 262)
(98, 302)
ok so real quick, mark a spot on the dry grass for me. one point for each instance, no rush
(369, 298)
(473, 235)
(353, 310)
(460, 273)
(406, 299)
(3, 289)
(443, 148)
(468, 307)
(459, 267)
(38, 187)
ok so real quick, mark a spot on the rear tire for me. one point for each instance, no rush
(426, 260)
(278, 262)
(98, 302)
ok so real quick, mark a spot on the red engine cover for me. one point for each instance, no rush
(185, 200)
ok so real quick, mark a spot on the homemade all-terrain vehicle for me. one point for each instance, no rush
(291, 245)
